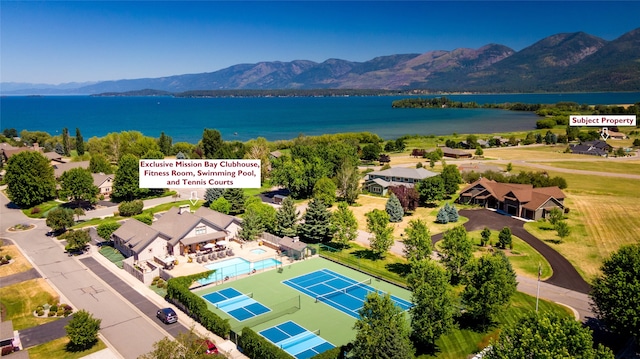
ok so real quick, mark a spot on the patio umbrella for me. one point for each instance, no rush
(209, 245)
(222, 243)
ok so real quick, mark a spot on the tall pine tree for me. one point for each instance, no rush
(287, 219)
(66, 142)
(79, 143)
(317, 223)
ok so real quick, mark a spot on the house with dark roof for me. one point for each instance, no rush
(379, 181)
(178, 231)
(520, 200)
(593, 148)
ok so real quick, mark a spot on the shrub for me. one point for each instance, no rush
(51, 313)
(160, 285)
(53, 308)
(8, 257)
(35, 210)
(40, 312)
(146, 218)
(105, 229)
(128, 209)
(256, 347)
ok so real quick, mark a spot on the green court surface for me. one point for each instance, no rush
(267, 288)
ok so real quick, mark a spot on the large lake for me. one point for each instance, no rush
(274, 118)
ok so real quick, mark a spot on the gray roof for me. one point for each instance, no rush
(137, 235)
(100, 178)
(60, 168)
(404, 172)
(290, 243)
(221, 220)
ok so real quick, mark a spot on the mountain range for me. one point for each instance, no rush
(567, 62)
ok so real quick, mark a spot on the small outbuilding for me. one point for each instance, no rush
(278, 198)
(294, 248)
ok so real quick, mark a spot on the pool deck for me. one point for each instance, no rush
(240, 251)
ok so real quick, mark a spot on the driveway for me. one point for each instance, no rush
(564, 274)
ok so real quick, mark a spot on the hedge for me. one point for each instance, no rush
(257, 347)
(128, 209)
(178, 292)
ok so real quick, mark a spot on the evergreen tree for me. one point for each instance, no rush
(344, 224)
(382, 330)
(287, 219)
(452, 213)
(457, 251)
(394, 209)
(211, 194)
(433, 308)
(236, 198)
(212, 144)
(165, 144)
(59, 149)
(66, 142)
(378, 225)
(485, 236)
(490, 284)
(443, 216)
(29, 178)
(504, 238)
(417, 241)
(316, 227)
(79, 143)
(252, 226)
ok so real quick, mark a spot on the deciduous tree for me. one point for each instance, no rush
(546, 335)
(417, 241)
(490, 284)
(221, 205)
(106, 229)
(58, 219)
(99, 164)
(77, 185)
(616, 293)
(431, 189)
(82, 330)
(451, 178)
(555, 215)
(126, 184)
(325, 190)
(344, 224)
(347, 178)
(563, 230)
(433, 308)
(378, 225)
(382, 330)
(408, 197)
(457, 251)
(29, 178)
(77, 240)
(504, 238)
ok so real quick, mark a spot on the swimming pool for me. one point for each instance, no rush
(234, 267)
(258, 251)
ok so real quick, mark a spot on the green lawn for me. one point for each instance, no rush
(42, 209)
(21, 300)
(461, 342)
(58, 349)
(112, 255)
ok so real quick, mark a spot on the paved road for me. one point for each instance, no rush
(129, 331)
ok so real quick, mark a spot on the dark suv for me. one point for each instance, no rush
(167, 315)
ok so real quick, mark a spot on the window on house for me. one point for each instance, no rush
(201, 230)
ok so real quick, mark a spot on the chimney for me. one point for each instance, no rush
(184, 208)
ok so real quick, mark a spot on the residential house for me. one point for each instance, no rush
(62, 167)
(593, 148)
(520, 200)
(379, 181)
(453, 152)
(104, 183)
(614, 135)
(6, 151)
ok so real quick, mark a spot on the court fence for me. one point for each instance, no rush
(347, 259)
(288, 306)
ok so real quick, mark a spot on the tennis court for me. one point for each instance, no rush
(339, 291)
(296, 340)
(238, 305)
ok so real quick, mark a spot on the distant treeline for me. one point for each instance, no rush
(255, 93)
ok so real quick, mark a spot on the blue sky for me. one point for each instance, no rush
(58, 41)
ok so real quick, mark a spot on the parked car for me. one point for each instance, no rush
(211, 347)
(167, 315)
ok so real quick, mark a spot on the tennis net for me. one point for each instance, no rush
(344, 290)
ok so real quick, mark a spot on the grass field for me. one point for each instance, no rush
(268, 289)
(112, 255)
(599, 165)
(21, 299)
(57, 349)
(20, 263)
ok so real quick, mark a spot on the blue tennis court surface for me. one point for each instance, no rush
(236, 304)
(338, 291)
(296, 340)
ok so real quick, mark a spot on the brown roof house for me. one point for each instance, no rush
(379, 181)
(520, 200)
